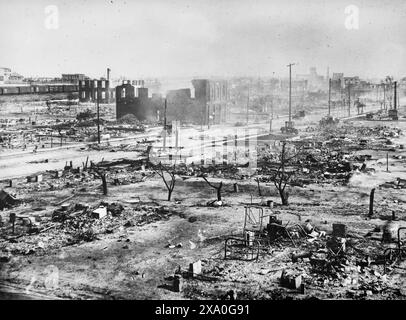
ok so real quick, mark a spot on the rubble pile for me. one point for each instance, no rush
(332, 155)
(350, 267)
(73, 223)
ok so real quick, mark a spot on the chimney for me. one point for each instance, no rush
(394, 96)
(108, 74)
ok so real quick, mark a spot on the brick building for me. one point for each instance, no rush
(88, 90)
(209, 106)
(132, 100)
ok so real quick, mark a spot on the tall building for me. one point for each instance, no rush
(212, 98)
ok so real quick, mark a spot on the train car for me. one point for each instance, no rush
(24, 90)
(69, 88)
(43, 89)
(38, 89)
(10, 90)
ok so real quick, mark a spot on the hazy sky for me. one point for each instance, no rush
(203, 38)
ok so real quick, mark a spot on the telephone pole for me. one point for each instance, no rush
(349, 99)
(290, 91)
(165, 115)
(98, 115)
(329, 96)
(248, 102)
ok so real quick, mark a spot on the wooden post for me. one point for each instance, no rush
(371, 202)
(387, 162)
(12, 220)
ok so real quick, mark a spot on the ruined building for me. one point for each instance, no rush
(88, 90)
(209, 105)
(212, 97)
(134, 100)
(73, 78)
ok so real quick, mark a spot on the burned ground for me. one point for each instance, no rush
(138, 241)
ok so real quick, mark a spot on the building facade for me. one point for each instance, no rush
(8, 77)
(73, 78)
(90, 90)
(132, 100)
(209, 106)
(212, 98)
(4, 75)
(315, 82)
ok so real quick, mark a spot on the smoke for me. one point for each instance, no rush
(364, 180)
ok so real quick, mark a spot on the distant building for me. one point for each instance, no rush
(8, 77)
(132, 100)
(15, 78)
(298, 86)
(212, 98)
(179, 94)
(315, 81)
(89, 90)
(209, 105)
(73, 78)
(352, 80)
(337, 82)
(4, 75)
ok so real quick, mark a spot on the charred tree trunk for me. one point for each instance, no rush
(104, 183)
(371, 202)
(219, 191)
(259, 188)
(103, 178)
(217, 188)
(160, 171)
(284, 197)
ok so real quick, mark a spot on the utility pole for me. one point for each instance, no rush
(164, 131)
(98, 115)
(248, 102)
(329, 96)
(165, 114)
(349, 99)
(290, 92)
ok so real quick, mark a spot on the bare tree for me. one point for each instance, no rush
(281, 177)
(259, 187)
(161, 169)
(102, 175)
(217, 188)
